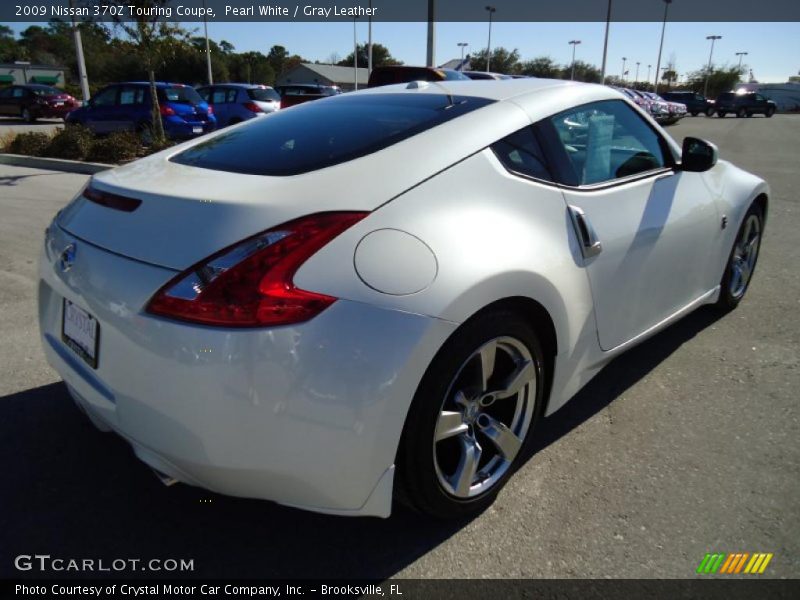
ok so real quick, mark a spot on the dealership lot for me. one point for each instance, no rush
(686, 445)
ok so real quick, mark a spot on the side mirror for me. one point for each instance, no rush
(698, 155)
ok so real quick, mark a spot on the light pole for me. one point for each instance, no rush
(713, 39)
(661, 46)
(462, 45)
(431, 58)
(605, 43)
(369, 41)
(624, 58)
(208, 50)
(355, 56)
(76, 34)
(740, 55)
(491, 10)
(574, 44)
(636, 80)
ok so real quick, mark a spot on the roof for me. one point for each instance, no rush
(493, 89)
(246, 86)
(457, 64)
(336, 73)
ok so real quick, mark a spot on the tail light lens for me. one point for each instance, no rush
(250, 284)
(210, 110)
(166, 111)
(252, 107)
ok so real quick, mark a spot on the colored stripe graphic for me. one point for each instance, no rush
(734, 563)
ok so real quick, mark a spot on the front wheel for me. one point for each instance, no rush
(472, 417)
(721, 113)
(27, 115)
(770, 112)
(695, 113)
(741, 113)
(709, 112)
(742, 260)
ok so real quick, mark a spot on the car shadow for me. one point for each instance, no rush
(73, 492)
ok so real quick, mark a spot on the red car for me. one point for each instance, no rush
(33, 101)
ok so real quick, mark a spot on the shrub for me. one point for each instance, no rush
(157, 147)
(31, 144)
(74, 142)
(117, 147)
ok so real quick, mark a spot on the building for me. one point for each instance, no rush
(22, 72)
(324, 75)
(457, 64)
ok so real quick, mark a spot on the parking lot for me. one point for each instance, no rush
(688, 444)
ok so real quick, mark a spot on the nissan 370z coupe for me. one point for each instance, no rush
(382, 293)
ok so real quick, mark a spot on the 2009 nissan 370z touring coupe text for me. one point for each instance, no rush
(381, 293)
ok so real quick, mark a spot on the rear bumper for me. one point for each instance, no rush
(307, 415)
(178, 128)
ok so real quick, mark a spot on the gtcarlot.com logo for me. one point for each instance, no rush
(734, 563)
(45, 562)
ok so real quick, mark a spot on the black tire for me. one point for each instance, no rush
(749, 115)
(417, 483)
(721, 114)
(710, 112)
(27, 115)
(729, 299)
(741, 113)
(769, 113)
(145, 132)
(695, 113)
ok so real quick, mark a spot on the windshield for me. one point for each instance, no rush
(320, 134)
(263, 95)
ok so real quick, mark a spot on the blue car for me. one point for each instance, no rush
(127, 107)
(237, 102)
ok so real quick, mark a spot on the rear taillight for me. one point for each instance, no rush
(166, 111)
(210, 110)
(250, 284)
(252, 107)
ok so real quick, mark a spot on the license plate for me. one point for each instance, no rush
(197, 130)
(81, 332)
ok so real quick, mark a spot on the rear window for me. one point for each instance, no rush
(46, 91)
(264, 95)
(320, 134)
(181, 95)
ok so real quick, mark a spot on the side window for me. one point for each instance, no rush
(760, 98)
(205, 94)
(521, 153)
(606, 140)
(6, 93)
(231, 94)
(18, 93)
(218, 96)
(107, 97)
(131, 95)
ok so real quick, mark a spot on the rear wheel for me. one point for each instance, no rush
(742, 260)
(695, 113)
(721, 113)
(741, 113)
(770, 112)
(472, 417)
(27, 115)
(709, 112)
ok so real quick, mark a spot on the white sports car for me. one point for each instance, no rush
(380, 294)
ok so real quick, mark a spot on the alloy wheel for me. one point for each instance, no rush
(485, 417)
(745, 254)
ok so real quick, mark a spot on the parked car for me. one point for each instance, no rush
(403, 74)
(744, 104)
(695, 103)
(127, 107)
(379, 292)
(237, 102)
(675, 111)
(299, 93)
(658, 110)
(486, 75)
(33, 101)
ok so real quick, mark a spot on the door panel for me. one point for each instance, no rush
(657, 236)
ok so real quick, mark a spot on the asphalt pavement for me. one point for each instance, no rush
(688, 444)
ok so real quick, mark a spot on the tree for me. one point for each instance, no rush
(380, 57)
(583, 72)
(543, 66)
(502, 61)
(720, 80)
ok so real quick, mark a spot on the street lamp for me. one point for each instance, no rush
(648, 73)
(462, 45)
(637, 73)
(740, 55)
(605, 43)
(208, 50)
(491, 10)
(661, 47)
(76, 34)
(369, 41)
(355, 55)
(624, 58)
(713, 39)
(574, 44)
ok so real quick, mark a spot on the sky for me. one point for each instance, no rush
(773, 48)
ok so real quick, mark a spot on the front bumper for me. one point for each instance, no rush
(307, 415)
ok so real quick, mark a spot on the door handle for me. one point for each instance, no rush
(590, 244)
